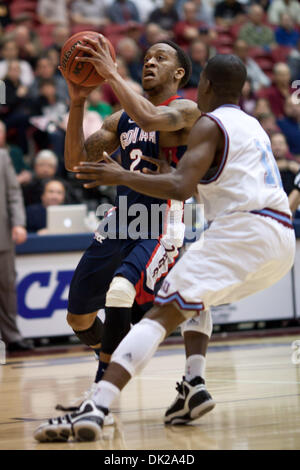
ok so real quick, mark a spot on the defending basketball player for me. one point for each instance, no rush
(249, 244)
(113, 273)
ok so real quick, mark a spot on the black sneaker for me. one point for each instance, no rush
(85, 424)
(192, 402)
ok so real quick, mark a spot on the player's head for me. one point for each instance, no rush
(165, 63)
(221, 81)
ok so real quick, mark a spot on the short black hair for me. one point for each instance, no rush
(227, 75)
(45, 181)
(183, 59)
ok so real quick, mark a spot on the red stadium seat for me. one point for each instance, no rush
(23, 6)
(77, 28)
(223, 43)
(235, 29)
(190, 94)
(280, 53)
(45, 33)
(224, 49)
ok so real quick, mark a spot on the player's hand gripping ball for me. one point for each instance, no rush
(81, 73)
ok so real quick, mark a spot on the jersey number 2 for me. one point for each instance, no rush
(135, 155)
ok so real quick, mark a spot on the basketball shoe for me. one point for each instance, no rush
(85, 424)
(108, 420)
(192, 402)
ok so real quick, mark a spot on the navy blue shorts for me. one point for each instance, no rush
(142, 262)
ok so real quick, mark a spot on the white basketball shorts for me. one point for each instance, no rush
(242, 253)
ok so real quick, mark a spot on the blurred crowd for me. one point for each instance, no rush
(264, 34)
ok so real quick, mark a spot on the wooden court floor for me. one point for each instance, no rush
(255, 384)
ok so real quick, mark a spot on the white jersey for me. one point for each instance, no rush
(248, 178)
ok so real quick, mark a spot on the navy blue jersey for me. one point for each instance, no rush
(135, 142)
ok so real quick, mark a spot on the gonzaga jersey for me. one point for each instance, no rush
(135, 142)
(247, 178)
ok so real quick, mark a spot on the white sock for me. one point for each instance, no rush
(105, 394)
(194, 367)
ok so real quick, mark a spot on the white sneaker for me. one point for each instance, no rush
(85, 425)
(192, 402)
(87, 395)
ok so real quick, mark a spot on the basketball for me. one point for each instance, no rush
(81, 73)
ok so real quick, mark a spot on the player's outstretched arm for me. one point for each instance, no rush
(205, 141)
(179, 114)
(78, 149)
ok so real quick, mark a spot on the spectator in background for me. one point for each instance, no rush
(45, 70)
(108, 93)
(128, 50)
(287, 166)
(92, 122)
(96, 103)
(229, 12)
(4, 14)
(145, 7)
(290, 124)
(153, 34)
(165, 16)
(52, 11)
(286, 34)
(123, 11)
(29, 48)
(268, 123)
(60, 34)
(187, 30)
(262, 107)
(204, 11)
(258, 78)
(89, 12)
(9, 52)
(294, 62)
(21, 168)
(14, 112)
(255, 33)
(44, 168)
(248, 98)
(198, 53)
(12, 232)
(48, 112)
(53, 194)
(280, 89)
(278, 7)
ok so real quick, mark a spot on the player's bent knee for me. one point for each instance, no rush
(121, 293)
(139, 345)
(80, 322)
(91, 336)
(200, 323)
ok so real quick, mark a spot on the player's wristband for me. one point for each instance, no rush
(297, 181)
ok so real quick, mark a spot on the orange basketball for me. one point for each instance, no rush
(81, 73)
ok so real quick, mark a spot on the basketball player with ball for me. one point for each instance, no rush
(249, 243)
(115, 273)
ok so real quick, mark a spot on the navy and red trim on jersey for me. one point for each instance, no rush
(281, 217)
(183, 304)
(225, 149)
